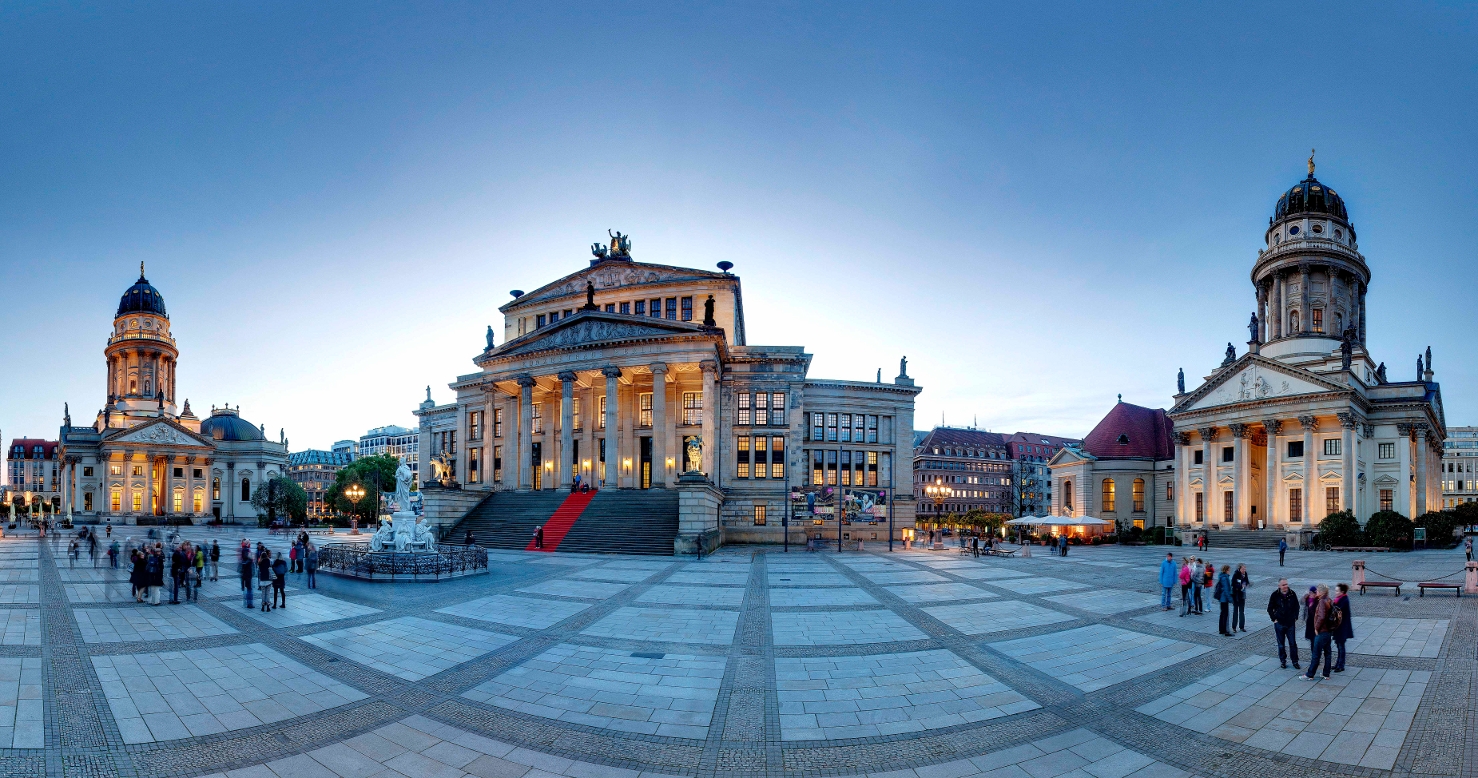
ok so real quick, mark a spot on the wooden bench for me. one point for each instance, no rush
(1421, 588)
(1381, 585)
(1359, 548)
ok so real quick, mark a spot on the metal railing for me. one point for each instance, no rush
(447, 561)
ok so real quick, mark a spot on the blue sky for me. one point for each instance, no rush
(1043, 206)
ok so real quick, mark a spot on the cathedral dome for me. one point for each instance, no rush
(225, 424)
(142, 297)
(1310, 196)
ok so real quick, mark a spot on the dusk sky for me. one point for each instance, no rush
(1041, 205)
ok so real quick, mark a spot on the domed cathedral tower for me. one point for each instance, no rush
(142, 358)
(1310, 280)
(1304, 423)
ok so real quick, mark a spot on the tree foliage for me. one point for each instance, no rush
(1341, 529)
(1388, 528)
(1440, 526)
(363, 471)
(280, 498)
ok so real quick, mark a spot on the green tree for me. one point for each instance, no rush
(1440, 526)
(1388, 528)
(367, 472)
(280, 498)
(1341, 529)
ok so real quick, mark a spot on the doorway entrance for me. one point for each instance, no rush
(646, 463)
(537, 464)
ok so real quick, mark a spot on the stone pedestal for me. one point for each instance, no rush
(1297, 538)
(698, 503)
(1357, 573)
(443, 508)
(1470, 583)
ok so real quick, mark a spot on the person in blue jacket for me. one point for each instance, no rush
(1168, 579)
(1222, 593)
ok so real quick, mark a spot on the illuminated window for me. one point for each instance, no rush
(199, 501)
(474, 425)
(1296, 505)
(1387, 500)
(741, 452)
(1226, 506)
(138, 501)
(575, 414)
(536, 416)
(1108, 495)
(498, 462)
(692, 408)
(872, 468)
(138, 470)
(761, 455)
(116, 500)
(178, 503)
(759, 510)
(1318, 320)
(644, 406)
(1139, 495)
(1331, 500)
(497, 422)
(816, 466)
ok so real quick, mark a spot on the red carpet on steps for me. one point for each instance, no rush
(563, 519)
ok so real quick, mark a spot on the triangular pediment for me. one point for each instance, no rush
(159, 432)
(1296, 475)
(599, 328)
(1226, 479)
(1068, 455)
(611, 274)
(1253, 378)
(1385, 480)
(1196, 480)
(1329, 475)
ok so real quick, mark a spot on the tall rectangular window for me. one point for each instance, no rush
(761, 408)
(1331, 500)
(817, 461)
(626, 307)
(687, 304)
(872, 429)
(741, 452)
(872, 468)
(474, 472)
(777, 408)
(497, 422)
(672, 308)
(831, 468)
(215, 489)
(1296, 505)
(1227, 453)
(831, 427)
(1387, 499)
(1386, 451)
(575, 414)
(538, 321)
(656, 308)
(745, 412)
(138, 501)
(1196, 456)
(640, 309)
(644, 409)
(777, 457)
(600, 416)
(846, 468)
(116, 500)
(474, 425)
(761, 456)
(759, 516)
(1200, 506)
(498, 464)
(1138, 495)
(817, 424)
(1318, 320)
(610, 307)
(87, 502)
(1331, 447)
(692, 408)
(536, 424)
(1226, 509)
(857, 421)
(846, 427)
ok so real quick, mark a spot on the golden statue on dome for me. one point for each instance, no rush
(1311, 163)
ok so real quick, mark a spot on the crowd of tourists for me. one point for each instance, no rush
(261, 569)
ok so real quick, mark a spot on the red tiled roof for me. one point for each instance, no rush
(1146, 433)
(48, 446)
(952, 436)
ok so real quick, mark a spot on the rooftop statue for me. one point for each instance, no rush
(620, 244)
(1231, 355)
(1180, 381)
(708, 320)
(589, 296)
(599, 250)
(1252, 328)
(490, 337)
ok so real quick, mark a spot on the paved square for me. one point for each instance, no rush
(669, 625)
(20, 594)
(10, 575)
(978, 573)
(585, 590)
(128, 623)
(841, 628)
(717, 596)
(825, 596)
(410, 647)
(21, 684)
(1105, 602)
(1359, 717)
(179, 694)
(1209, 623)
(809, 579)
(709, 577)
(654, 694)
(981, 618)
(1397, 637)
(1037, 585)
(20, 627)
(1098, 655)
(622, 574)
(904, 576)
(945, 592)
(516, 611)
(825, 698)
(307, 609)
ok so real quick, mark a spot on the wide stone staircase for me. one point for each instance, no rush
(625, 521)
(1245, 538)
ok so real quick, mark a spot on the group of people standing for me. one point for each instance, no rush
(260, 568)
(1326, 624)
(185, 562)
(1197, 578)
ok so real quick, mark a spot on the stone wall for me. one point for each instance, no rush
(445, 507)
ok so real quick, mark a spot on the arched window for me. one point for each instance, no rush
(1108, 496)
(245, 489)
(215, 488)
(1139, 495)
(1067, 497)
(1123, 439)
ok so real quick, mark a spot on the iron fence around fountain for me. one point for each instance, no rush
(356, 560)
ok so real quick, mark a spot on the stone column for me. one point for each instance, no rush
(461, 427)
(230, 490)
(525, 431)
(710, 374)
(1277, 313)
(1241, 489)
(1402, 493)
(1424, 452)
(566, 428)
(1184, 510)
(1311, 465)
(1208, 477)
(1262, 313)
(659, 425)
(1362, 313)
(1348, 483)
(1271, 472)
(1304, 317)
(613, 401)
(485, 465)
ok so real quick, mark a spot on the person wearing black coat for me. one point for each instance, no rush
(1283, 608)
(1345, 631)
(265, 576)
(279, 580)
(138, 574)
(1240, 583)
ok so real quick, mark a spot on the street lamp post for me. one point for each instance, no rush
(355, 493)
(938, 492)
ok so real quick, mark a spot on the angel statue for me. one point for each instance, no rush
(403, 478)
(384, 537)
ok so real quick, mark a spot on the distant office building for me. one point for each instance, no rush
(974, 464)
(34, 468)
(1032, 490)
(315, 470)
(350, 447)
(399, 442)
(1459, 466)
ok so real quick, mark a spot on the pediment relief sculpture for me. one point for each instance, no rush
(160, 434)
(1256, 381)
(594, 330)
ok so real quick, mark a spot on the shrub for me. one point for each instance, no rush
(1341, 529)
(1439, 525)
(1389, 528)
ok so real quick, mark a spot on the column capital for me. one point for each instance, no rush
(1309, 423)
(611, 371)
(567, 376)
(708, 366)
(1239, 430)
(1405, 430)
(525, 380)
(1348, 420)
(659, 368)
(1273, 426)
(1421, 429)
(1368, 430)
(1183, 438)
(1208, 434)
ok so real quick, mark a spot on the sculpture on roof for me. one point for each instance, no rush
(589, 296)
(1311, 163)
(1419, 367)
(1180, 381)
(1252, 328)
(903, 367)
(1429, 359)
(490, 337)
(599, 250)
(708, 320)
(620, 244)
(1380, 373)
(1346, 347)
(1231, 355)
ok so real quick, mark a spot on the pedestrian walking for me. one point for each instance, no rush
(1241, 582)
(1198, 607)
(1326, 623)
(1062, 545)
(1167, 580)
(539, 537)
(1282, 550)
(1468, 547)
(113, 555)
(1222, 593)
(1283, 611)
(264, 577)
(1346, 630)
(1310, 602)
(311, 565)
(1185, 587)
(279, 581)
(215, 561)
(1208, 580)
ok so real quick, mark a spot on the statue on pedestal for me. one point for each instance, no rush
(403, 478)
(1180, 382)
(695, 453)
(384, 537)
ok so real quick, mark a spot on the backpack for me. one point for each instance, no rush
(1333, 617)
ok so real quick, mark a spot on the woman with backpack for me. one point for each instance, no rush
(1327, 620)
(264, 577)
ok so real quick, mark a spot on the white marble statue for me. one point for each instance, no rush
(384, 537)
(403, 478)
(422, 536)
(402, 534)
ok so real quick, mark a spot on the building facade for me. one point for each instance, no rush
(399, 442)
(635, 376)
(1122, 472)
(315, 470)
(1459, 466)
(144, 461)
(1032, 488)
(34, 468)
(349, 447)
(1305, 422)
(974, 465)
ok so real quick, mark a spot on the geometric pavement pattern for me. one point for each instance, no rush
(752, 662)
